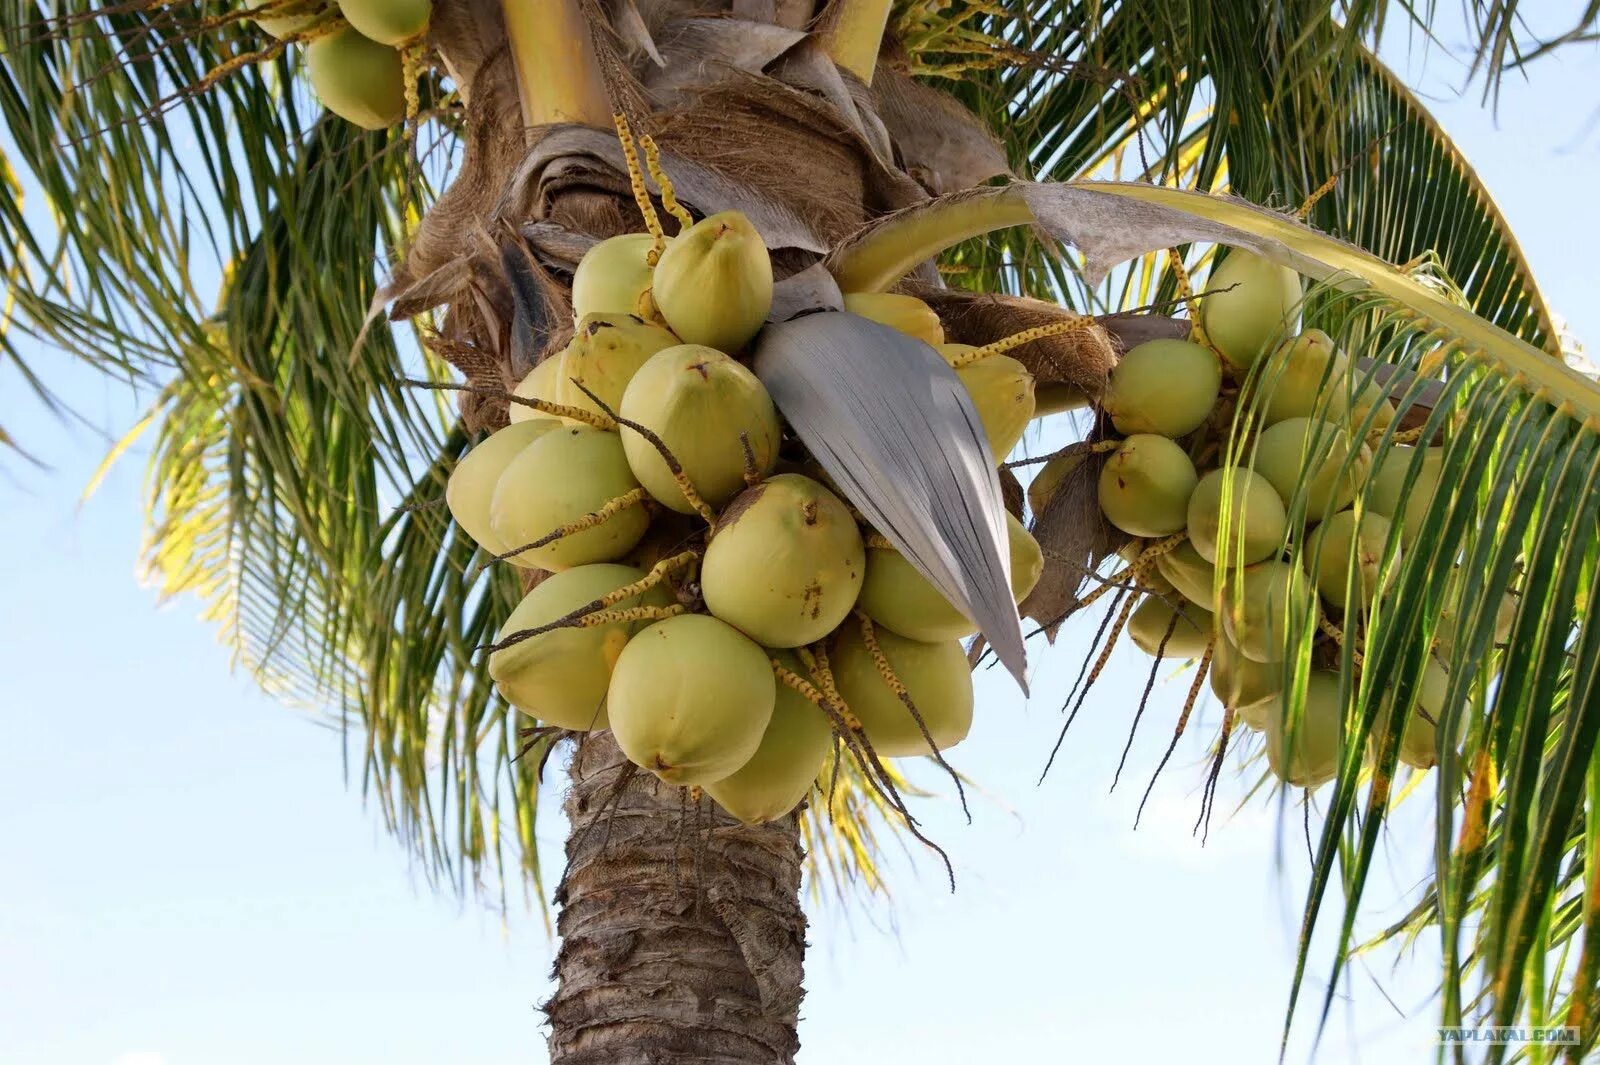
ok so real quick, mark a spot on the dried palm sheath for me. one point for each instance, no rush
(893, 426)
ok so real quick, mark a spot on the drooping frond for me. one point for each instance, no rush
(1271, 106)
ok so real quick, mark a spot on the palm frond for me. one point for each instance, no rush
(1224, 98)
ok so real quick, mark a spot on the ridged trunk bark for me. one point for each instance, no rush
(682, 935)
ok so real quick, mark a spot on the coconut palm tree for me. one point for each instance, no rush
(178, 209)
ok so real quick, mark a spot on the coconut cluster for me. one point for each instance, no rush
(710, 598)
(1262, 527)
(354, 52)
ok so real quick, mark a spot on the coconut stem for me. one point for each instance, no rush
(558, 76)
(611, 509)
(857, 36)
(641, 194)
(589, 616)
(869, 637)
(669, 195)
(555, 410)
(1075, 324)
(1183, 723)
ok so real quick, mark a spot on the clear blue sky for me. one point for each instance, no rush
(185, 878)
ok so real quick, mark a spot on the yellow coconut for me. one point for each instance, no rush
(1157, 628)
(1388, 495)
(614, 277)
(1247, 687)
(1307, 377)
(897, 596)
(936, 678)
(783, 769)
(1248, 303)
(1342, 543)
(1002, 393)
(1315, 452)
(391, 22)
(903, 314)
(1257, 522)
(1263, 605)
(1304, 750)
(1193, 577)
(713, 284)
(470, 489)
(540, 383)
(605, 353)
(560, 677)
(786, 562)
(1049, 478)
(1145, 486)
(357, 79)
(567, 474)
(1163, 386)
(699, 402)
(690, 699)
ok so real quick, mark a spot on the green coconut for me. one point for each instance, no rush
(1455, 615)
(903, 314)
(1419, 742)
(1371, 398)
(699, 402)
(1248, 303)
(1263, 605)
(560, 677)
(1304, 751)
(785, 766)
(898, 597)
(1304, 378)
(1343, 541)
(1193, 577)
(690, 699)
(1388, 495)
(566, 474)
(1002, 393)
(540, 383)
(614, 277)
(1167, 387)
(936, 677)
(1247, 687)
(357, 79)
(1145, 486)
(786, 562)
(1313, 451)
(1185, 631)
(1049, 478)
(713, 284)
(470, 489)
(391, 22)
(605, 353)
(1257, 522)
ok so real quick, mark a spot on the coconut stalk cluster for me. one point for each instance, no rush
(706, 593)
(359, 54)
(1263, 533)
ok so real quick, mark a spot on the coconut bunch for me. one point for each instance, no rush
(1263, 531)
(710, 598)
(355, 52)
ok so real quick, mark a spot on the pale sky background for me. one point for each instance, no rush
(186, 879)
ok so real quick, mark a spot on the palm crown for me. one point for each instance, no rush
(178, 210)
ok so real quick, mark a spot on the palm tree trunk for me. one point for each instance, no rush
(682, 936)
